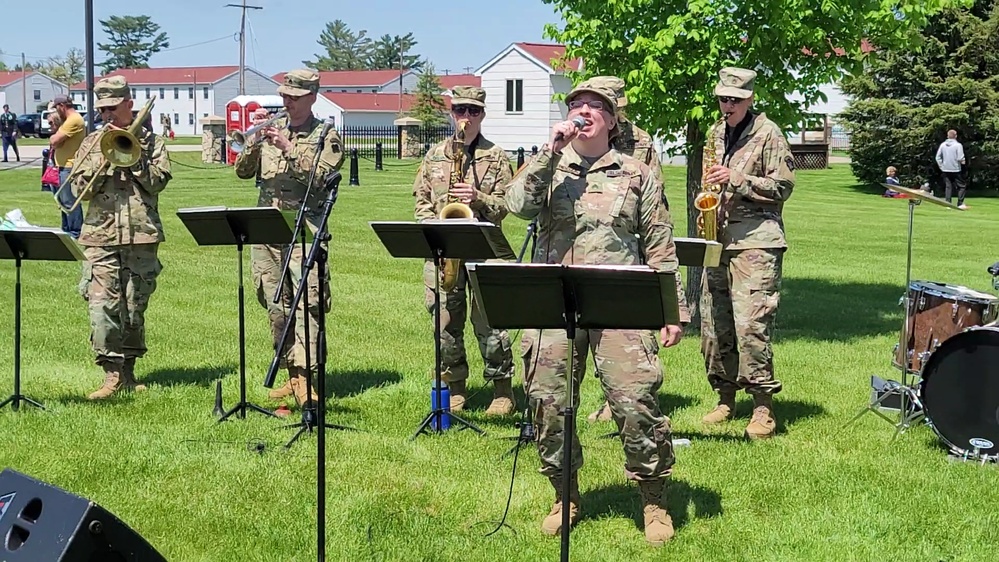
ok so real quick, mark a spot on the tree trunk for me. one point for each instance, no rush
(694, 156)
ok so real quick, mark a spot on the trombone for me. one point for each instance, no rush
(240, 141)
(119, 147)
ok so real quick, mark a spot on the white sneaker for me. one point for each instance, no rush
(962, 207)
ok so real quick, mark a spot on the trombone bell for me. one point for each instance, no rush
(120, 148)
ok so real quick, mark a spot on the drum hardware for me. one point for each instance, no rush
(890, 395)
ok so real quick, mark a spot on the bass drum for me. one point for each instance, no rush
(960, 391)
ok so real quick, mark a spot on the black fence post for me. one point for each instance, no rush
(534, 150)
(426, 148)
(378, 156)
(520, 157)
(398, 142)
(354, 180)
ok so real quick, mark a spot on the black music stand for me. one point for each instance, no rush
(33, 244)
(589, 297)
(440, 240)
(222, 226)
(698, 252)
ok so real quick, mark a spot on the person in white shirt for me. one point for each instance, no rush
(950, 159)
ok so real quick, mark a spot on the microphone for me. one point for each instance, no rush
(994, 268)
(578, 121)
(327, 125)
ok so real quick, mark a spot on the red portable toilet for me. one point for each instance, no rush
(238, 111)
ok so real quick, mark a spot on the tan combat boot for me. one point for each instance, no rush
(502, 404)
(658, 523)
(763, 424)
(459, 394)
(112, 383)
(300, 387)
(282, 391)
(723, 411)
(552, 525)
(128, 376)
(603, 413)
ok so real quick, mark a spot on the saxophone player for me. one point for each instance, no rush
(739, 298)
(482, 186)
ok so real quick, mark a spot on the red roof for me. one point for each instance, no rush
(368, 101)
(11, 76)
(167, 75)
(547, 52)
(449, 81)
(351, 78)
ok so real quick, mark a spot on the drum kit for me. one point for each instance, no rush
(948, 354)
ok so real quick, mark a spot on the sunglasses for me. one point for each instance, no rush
(594, 104)
(729, 99)
(472, 110)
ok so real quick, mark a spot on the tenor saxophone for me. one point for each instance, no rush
(455, 209)
(709, 199)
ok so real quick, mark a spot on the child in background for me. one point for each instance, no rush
(891, 180)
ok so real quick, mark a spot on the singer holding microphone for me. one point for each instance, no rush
(284, 156)
(596, 205)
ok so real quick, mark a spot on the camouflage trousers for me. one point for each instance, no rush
(739, 302)
(266, 262)
(494, 345)
(117, 283)
(629, 370)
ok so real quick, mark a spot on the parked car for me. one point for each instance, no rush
(29, 124)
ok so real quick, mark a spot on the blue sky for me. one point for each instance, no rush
(279, 37)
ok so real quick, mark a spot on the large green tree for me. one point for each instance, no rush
(67, 69)
(342, 48)
(909, 97)
(132, 41)
(429, 106)
(387, 51)
(669, 53)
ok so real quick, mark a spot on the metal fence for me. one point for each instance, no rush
(367, 138)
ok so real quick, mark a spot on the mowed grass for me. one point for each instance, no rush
(820, 491)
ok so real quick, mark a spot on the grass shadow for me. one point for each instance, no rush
(624, 500)
(787, 412)
(344, 384)
(183, 376)
(824, 310)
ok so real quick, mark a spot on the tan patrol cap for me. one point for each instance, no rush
(111, 91)
(301, 82)
(735, 82)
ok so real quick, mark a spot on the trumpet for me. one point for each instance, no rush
(119, 147)
(241, 140)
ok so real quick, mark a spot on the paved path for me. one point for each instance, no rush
(31, 156)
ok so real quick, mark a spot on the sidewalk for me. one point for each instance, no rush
(31, 156)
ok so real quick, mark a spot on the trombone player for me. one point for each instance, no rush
(282, 150)
(481, 185)
(121, 231)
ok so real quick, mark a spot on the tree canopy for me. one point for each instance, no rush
(132, 41)
(344, 49)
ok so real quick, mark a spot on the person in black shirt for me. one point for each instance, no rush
(8, 130)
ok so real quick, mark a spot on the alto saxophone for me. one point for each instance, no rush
(455, 209)
(709, 199)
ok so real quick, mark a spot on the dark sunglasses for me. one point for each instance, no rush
(729, 99)
(472, 110)
(594, 104)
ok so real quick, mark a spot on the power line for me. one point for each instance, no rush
(217, 39)
(242, 43)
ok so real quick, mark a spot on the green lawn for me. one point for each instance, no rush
(817, 492)
(35, 141)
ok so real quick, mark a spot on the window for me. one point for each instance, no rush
(176, 117)
(205, 92)
(133, 93)
(190, 119)
(162, 95)
(514, 96)
(36, 95)
(190, 93)
(204, 115)
(176, 93)
(147, 94)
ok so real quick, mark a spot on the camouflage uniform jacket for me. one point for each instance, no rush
(124, 204)
(762, 178)
(612, 212)
(635, 142)
(284, 178)
(488, 170)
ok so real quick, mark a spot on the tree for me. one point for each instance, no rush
(429, 106)
(345, 50)
(386, 51)
(133, 40)
(909, 98)
(67, 69)
(669, 53)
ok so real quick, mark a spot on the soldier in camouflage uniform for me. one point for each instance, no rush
(740, 297)
(121, 235)
(635, 142)
(595, 205)
(284, 160)
(483, 188)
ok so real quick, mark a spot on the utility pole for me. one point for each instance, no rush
(242, 43)
(24, 86)
(400, 77)
(468, 69)
(89, 16)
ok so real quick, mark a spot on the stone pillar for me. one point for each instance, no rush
(409, 129)
(212, 135)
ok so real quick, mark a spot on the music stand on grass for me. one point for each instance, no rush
(698, 252)
(440, 240)
(31, 244)
(571, 297)
(223, 226)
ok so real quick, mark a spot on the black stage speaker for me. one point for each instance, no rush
(41, 523)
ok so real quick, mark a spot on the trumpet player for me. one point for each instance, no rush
(739, 298)
(283, 153)
(481, 185)
(121, 235)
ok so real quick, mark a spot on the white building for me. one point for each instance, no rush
(520, 82)
(185, 94)
(30, 92)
